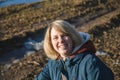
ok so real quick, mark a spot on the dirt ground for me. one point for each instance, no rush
(105, 32)
(28, 67)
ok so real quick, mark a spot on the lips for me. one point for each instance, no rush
(62, 46)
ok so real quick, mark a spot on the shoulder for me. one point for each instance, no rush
(91, 59)
(91, 62)
(50, 65)
(95, 66)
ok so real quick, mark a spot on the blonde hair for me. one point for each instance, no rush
(64, 27)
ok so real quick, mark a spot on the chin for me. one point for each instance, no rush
(65, 53)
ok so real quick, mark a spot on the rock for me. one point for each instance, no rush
(100, 53)
(28, 53)
(16, 61)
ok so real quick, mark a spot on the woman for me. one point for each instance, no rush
(72, 55)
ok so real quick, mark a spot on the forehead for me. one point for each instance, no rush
(58, 28)
(55, 31)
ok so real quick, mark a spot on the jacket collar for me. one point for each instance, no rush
(87, 47)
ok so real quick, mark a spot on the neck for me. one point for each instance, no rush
(64, 58)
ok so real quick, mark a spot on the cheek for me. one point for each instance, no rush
(68, 40)
(54, 44)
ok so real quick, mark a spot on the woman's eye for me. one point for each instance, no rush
(54, 38)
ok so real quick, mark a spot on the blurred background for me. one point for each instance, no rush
(23, 24)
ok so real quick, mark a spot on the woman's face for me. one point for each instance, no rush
(62, 43)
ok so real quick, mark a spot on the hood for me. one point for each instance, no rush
(86, 46)
(85, 38)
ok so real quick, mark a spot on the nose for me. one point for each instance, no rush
(61, 39)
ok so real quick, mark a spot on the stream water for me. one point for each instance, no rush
(5, 3)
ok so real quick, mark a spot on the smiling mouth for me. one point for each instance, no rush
(63, 46)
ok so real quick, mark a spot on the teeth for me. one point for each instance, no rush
(62, 46)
